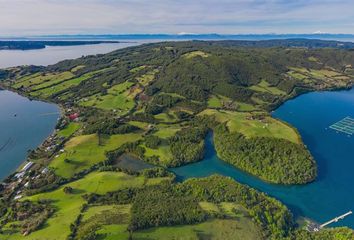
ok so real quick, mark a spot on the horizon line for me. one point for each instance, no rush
(179, 34)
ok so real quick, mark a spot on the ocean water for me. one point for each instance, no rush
(332, 193)
(54, 54)
(24, 125)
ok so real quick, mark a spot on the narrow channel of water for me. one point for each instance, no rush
(24, 124)
(332, 194)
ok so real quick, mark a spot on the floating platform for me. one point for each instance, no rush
(346, 125)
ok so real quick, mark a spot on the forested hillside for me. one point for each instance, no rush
(130, 115)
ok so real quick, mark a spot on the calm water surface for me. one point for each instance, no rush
(51, 55)
(332, 193)
(24, 124)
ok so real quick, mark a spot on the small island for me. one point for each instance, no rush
(131, 115)
(30, 44)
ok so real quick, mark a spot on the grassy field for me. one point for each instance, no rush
(244, 107)
(53, 81)
(77, 68)
(264, 86)
(118, 97)
(45, 79)
(195, 54)
(69, 130)
(114, 232)
(238, 225)
(84, 151)
(27, 80)
(327, 75)
(162, 152)
(166, 117)
(166, 131)
(68, 205)
(217, 229)
(221, 101)
(147, 77)
(137, 69)
(95, 210)
(250, 126)
(218, 101)
(49, 91)
(98, 216)
(142, 125)
(214, 102)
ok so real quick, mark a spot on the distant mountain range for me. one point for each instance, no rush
(212, 36)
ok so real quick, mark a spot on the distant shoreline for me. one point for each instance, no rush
(33, 45)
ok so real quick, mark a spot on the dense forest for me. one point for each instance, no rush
(130, 115)
(274, 160)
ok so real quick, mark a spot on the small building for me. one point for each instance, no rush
(74, 116)
(27, 166)
(19, 175)
(44, 171)
(17, 197)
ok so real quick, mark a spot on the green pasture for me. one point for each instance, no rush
(166, 117)
(249, 125)
(118, 97)
(137, 69)
(163, 152)
(196, 54)
(216, 229)
(49, 91)
(38, 79)
(68, 205)
(69, 130)
(82, 152)
(166, 131)
(146, 78)
(264, 86)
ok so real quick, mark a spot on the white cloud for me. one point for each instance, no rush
(31, 17)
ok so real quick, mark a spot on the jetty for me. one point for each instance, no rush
(313, 227)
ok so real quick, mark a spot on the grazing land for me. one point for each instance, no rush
(256, 124)
(81, 152)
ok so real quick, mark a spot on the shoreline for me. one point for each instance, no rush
(294, 94)
(11, 45)
(61, 112)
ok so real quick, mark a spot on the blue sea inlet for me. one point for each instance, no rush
(24, 125)
(332, 193)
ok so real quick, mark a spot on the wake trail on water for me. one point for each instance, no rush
(6, 144)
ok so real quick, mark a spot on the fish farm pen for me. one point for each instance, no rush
(346, 125)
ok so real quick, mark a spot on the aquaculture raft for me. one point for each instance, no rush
(346, 125)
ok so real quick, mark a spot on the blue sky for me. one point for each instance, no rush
(37, 17)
